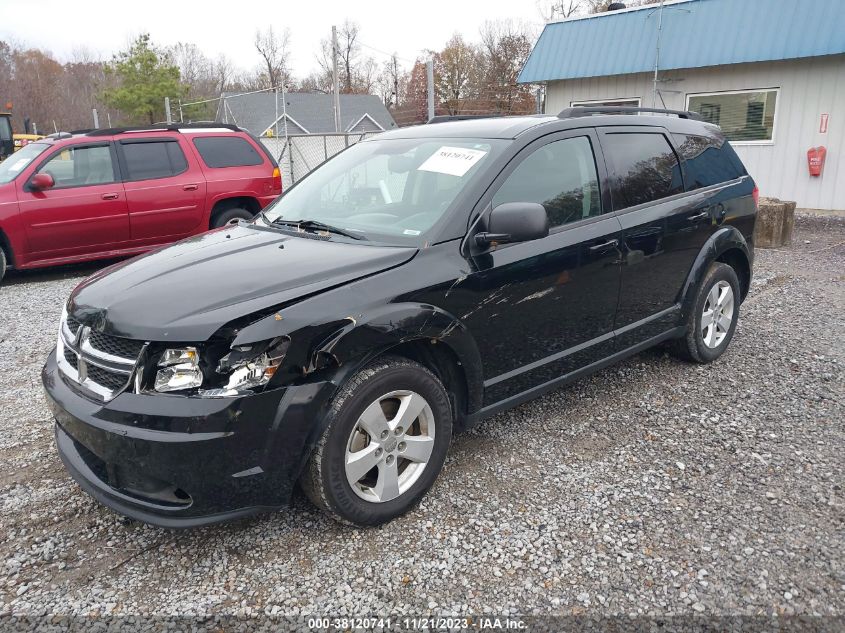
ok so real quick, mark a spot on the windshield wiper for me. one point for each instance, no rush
(317, 226)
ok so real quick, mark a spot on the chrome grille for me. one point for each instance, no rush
(72, 358)
(73, 325)
(106, 378)
(122, 347)
(98, 364)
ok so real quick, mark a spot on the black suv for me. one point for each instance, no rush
(409, 287)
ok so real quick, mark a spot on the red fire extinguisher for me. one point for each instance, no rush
(815, 160)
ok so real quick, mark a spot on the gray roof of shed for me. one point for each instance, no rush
(313, 111)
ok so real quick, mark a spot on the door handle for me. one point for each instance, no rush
(191, 187)
(698, 216)
(604, 246)
(110, 196)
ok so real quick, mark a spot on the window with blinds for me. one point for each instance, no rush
(744, 116)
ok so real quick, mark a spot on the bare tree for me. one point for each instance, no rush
(348, 50)
(223, 70)
(356, 74)
(273, 49)
(551, 10)
(391, 82)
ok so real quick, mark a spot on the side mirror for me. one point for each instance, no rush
(42, 181)
(515, 222)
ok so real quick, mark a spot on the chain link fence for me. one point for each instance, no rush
(300, 153)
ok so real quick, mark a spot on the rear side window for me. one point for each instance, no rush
(157, 159)
(709, 160)
(227, 151)
(645, 168)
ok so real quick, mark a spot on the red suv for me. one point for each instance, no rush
(114, 192)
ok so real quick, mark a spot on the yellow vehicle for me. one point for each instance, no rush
(22, 140)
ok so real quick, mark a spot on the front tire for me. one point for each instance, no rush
(2, 264)
(388, 430)
(713, 318)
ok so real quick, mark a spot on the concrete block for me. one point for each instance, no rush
(775, 221)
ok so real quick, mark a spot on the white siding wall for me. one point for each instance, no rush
(808, 88)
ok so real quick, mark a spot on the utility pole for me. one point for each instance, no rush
(335, 82)
(96, 119)
(429, 72)
(167, 114)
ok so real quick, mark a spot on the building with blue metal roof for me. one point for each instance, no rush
(771, 73)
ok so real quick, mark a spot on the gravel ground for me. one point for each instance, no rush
(654, 487)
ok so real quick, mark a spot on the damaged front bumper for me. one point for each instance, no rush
(179, 461)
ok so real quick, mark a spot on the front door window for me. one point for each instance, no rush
(81, 166)
(561, 176)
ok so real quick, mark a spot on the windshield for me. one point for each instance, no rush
(14, 164)
(391, 191)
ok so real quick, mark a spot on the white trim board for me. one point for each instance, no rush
(289, 118)
(364, 116)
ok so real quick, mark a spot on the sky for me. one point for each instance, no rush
(103, 27)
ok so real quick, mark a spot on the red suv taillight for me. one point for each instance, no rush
(755, 194)
(277, 180)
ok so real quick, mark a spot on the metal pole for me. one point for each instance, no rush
(181, 117)
(167, 116)
(285, 111)
(657, 55)
(276, 118)
(429, 71)
(335, 81)
(96, 119)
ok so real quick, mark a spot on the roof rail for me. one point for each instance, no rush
(174, 127)
(577, 111)
(444, 118)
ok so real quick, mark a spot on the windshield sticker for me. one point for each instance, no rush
(454, 161)
(410, 232)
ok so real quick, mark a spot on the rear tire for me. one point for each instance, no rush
(713, 317)
(231, 216)
(388, 430)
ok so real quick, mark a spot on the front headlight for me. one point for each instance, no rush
(240, 371)
(179, 369)
(248, 367)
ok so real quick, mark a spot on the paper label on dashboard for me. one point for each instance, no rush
(454, 161)
(18, 165)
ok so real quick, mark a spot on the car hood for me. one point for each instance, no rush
(185, 292)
